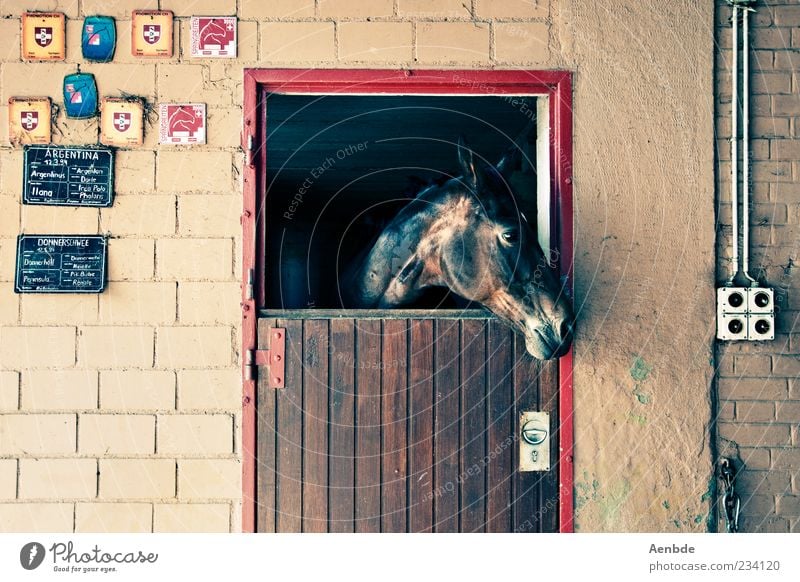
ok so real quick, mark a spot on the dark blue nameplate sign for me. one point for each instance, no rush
(68, 176)
(54, 263)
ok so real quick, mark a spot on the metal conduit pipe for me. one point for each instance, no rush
(746, 145)
(734, 141)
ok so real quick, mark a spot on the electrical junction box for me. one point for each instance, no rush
(745, 313)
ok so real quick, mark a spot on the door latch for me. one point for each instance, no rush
(534, 442)
(274, 357)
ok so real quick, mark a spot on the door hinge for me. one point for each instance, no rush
(248, 154)
(274, 357)
(249, 289)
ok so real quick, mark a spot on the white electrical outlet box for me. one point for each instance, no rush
(745, 313)
(761, 300)
(732, 300)
(761, 326)
(732, 326)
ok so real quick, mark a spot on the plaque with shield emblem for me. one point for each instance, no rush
(151, 33)
(29, 120)
(121, 122)
(43, 36)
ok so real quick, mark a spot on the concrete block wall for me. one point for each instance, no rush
(758, 407)
(121, 412)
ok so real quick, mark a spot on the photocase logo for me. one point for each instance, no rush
(31, 555)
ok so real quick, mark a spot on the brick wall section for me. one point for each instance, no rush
(758, 384)
(121, 412)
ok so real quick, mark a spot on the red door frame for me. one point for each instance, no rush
(556, 84)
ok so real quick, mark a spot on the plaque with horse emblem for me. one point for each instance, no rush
(43, 36)
(182, 123)
(213, 36)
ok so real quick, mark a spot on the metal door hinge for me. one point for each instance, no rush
(248, 154)
(274, 357)
(250, 279)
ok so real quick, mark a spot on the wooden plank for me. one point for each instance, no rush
(361, 314)
(473, 426)
(394, 419)
(315, 426)
(548, 490)
(368, 426)
(420, 491)
(342, 427)
(289, 433)
(446, 382)
(265, 440)
(526, 390)
(500, 427)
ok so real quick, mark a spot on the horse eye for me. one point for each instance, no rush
(510, 236)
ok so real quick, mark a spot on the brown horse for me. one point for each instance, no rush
(469, 236)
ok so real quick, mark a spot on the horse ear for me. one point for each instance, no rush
(466, 160)
(508, 163)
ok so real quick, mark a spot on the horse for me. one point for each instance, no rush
(469, 236)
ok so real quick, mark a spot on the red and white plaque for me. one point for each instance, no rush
(182, 123)
(43, 36)
(29, 120)
(214, 36)
(121, 122)
(151, 33)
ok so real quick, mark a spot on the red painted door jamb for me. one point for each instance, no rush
(556, 84)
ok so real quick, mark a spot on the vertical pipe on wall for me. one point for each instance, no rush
(734, 142)
(746, 145)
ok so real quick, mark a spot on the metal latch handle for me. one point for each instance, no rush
(532, 434)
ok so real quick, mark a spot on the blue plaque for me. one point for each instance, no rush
(80, 96)
(99, 38)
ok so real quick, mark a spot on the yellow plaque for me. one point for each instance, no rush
(121, 122)
(29, 120)
(43, 37)
(151, 33)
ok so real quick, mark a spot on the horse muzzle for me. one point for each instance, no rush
(549, 342)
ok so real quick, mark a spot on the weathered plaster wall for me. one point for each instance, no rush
(121, 412)
(644, 270)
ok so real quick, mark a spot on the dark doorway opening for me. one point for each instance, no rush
(340, 167)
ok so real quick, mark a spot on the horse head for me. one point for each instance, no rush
(494, 258)
(470, 236)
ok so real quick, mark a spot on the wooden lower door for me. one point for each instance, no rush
(401, 424)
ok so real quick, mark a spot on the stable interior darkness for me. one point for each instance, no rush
(340, 167)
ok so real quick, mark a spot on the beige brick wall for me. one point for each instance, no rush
(758, 396)
(120, 412)
(91, 426)
(145, 381)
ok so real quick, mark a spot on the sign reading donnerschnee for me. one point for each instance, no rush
(55, 263)
(68, 176)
